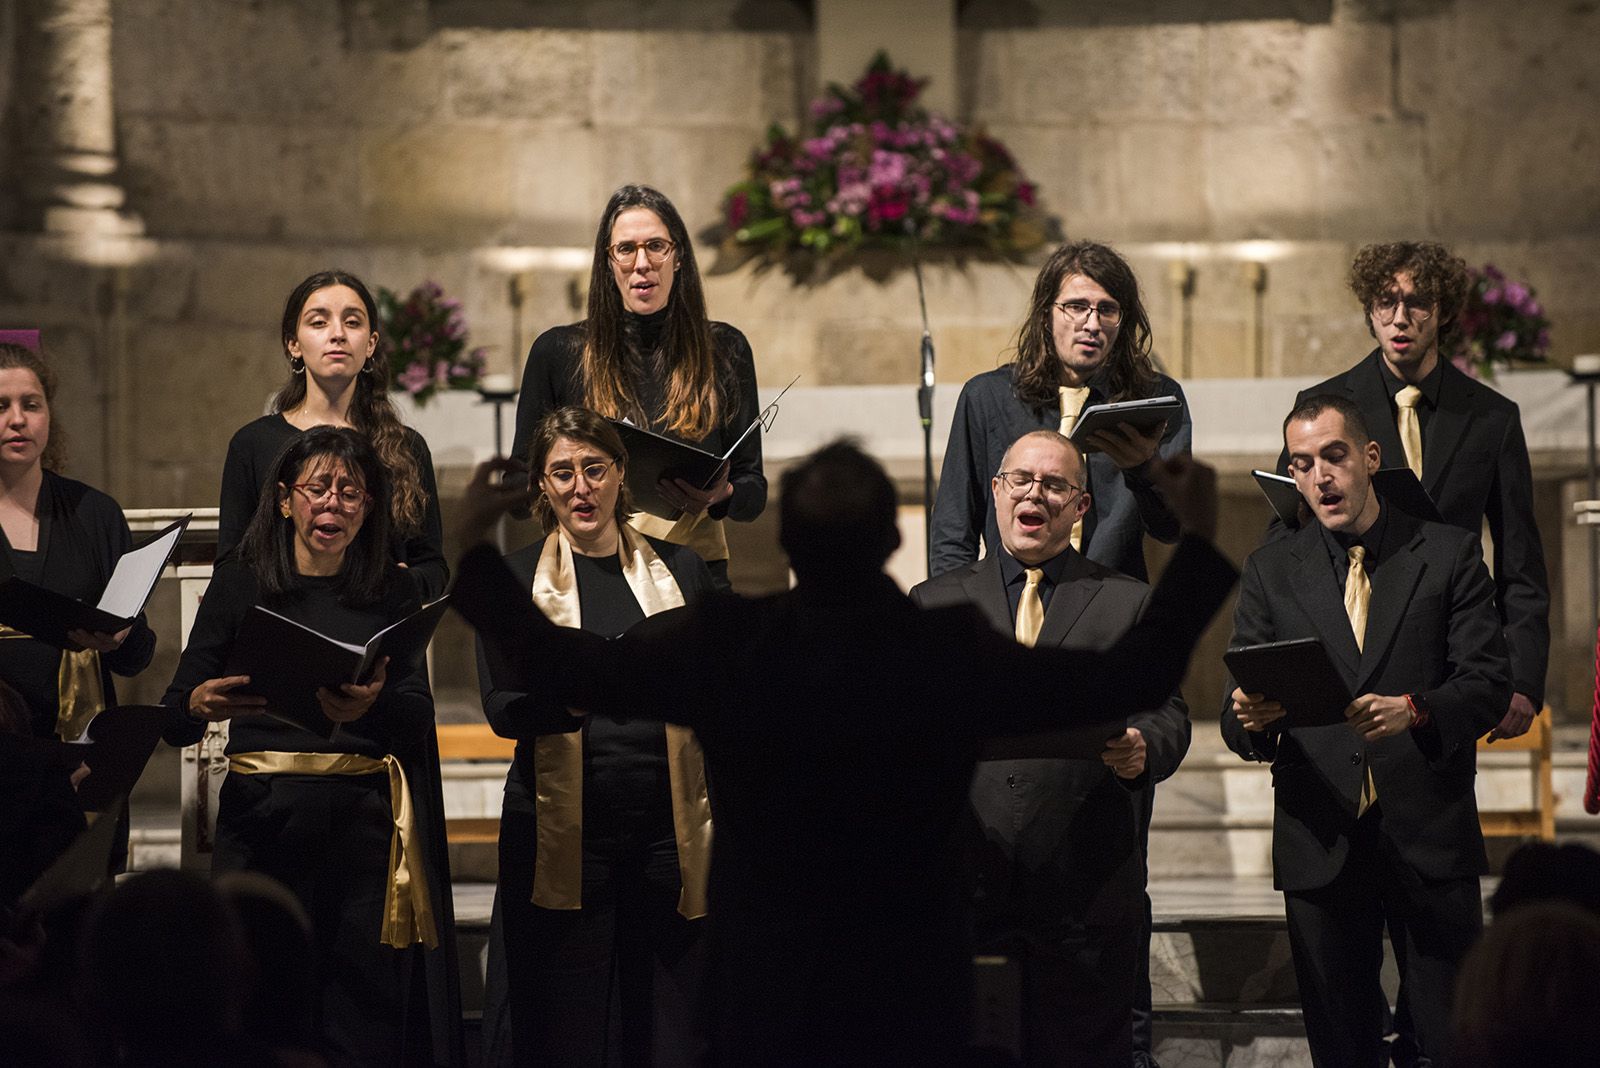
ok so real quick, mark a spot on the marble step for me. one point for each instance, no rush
(1228, 1036)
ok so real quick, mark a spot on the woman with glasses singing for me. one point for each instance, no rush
(605, 836)
(330, 817)
(1086, 341)
(647, 352)
(338, 376)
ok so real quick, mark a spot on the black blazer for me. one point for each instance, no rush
(1475, 467)
(840, 726)
(1431, 631)
(1057, 839)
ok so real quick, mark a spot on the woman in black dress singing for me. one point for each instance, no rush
(605, 836)
(648, 353)
(61, 534)
(330, 817)
(338, 376)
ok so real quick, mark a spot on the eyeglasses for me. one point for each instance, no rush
(1055, 489)
(656, 250)
(595, 474)
(1387, 307)
(1078, 311)
(349, 498)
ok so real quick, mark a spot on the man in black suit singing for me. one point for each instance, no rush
(1375, 821)
(1059, 875)
(840, 725)
(1463, 439)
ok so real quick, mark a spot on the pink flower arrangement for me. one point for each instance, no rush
(875, 168)
(1501, 321)
(426, 338)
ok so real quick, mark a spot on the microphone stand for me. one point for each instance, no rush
(924, 403)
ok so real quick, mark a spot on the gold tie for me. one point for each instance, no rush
(1410, 427)
(1030, 610)
(1357, 595)
(1072, 402)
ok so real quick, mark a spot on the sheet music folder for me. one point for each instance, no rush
(1280, 492)
(1145, 414)
(1298, 675)
(1401, 488)
(47, 615)
(653, 457)
(287, 661)
(118, 745)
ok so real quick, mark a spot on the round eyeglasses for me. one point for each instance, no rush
(656, 250)
(1078, 311)
(562, 478)
(1418, 307)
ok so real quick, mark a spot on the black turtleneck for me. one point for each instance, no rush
(553, 378)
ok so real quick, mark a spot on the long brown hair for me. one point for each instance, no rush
(370, 410)
(54, 457)
(694, 399)
(1036, 371)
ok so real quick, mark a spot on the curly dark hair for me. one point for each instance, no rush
(18, 356)
(1036, 371)
(1437, 275)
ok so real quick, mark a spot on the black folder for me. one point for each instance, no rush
(1145, 414)
(287, 661)
(653, 457)
(82, 869)
(117, 746)
(1298, 675)
(47, 615)
(1282, 494)
(1401, 488)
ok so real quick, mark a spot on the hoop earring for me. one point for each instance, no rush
(297, 366)
(367, 367)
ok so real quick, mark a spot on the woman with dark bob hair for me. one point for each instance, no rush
(338, 376)
(648, 353)
(331, 818)
(605, 836)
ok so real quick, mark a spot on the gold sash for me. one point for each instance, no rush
(558, 758)
(407, 908)
(80, 696)
(698, 532)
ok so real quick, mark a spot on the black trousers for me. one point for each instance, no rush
(615, 982)
(326, 837)
(1336, 936)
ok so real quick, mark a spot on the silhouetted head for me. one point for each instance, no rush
(836, 514)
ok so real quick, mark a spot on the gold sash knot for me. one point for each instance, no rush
(407, 907)
(80, 694)
(558, 758)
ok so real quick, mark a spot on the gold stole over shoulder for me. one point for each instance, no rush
(407, 906)
(558, 758)
(698, 532)
(80, 696)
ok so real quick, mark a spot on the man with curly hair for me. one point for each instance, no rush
(1463, 440)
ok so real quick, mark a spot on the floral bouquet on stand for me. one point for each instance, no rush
(1502, 321)
(874, 168)
(427, 342)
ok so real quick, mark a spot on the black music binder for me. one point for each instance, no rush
(1145, 414)
(1298, 674)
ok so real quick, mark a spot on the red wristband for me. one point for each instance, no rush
(1419, 714)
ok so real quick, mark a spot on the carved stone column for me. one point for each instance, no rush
(63, 96)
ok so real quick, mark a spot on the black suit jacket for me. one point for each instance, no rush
(840, 725)
(1475, 467)
(1056, 840)
(1432, 631)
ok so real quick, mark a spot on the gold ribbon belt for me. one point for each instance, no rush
(558, 758)
(407, 908)
(80, 695)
